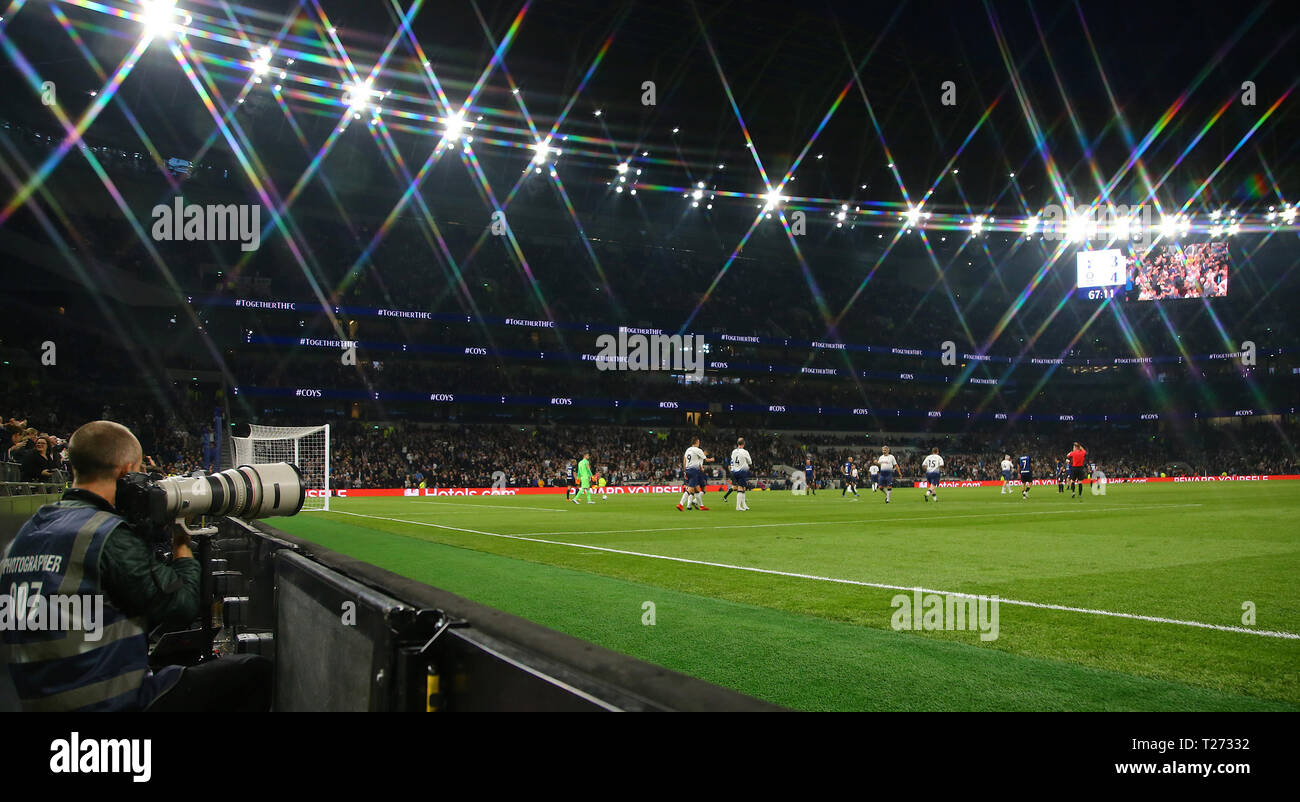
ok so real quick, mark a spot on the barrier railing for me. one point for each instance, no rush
(30, 488)
(13, 472)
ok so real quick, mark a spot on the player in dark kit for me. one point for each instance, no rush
(809, 479)
(1060, 476)
(850, 472)
(1026, 476)
(570, 481)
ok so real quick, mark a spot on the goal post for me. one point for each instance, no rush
(307, 447)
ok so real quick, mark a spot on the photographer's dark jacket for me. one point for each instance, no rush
(80, 546)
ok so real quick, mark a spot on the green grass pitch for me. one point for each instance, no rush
(790, 633)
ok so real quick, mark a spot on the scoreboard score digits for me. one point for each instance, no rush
(1101, 273)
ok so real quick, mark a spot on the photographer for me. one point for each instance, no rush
(82, 546)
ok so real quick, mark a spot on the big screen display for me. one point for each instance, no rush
(1199, 270)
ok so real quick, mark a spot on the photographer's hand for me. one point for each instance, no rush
(181, 544)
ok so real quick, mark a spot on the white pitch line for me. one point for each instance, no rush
(882, 521)
(837, 580)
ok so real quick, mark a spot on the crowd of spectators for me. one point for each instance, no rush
(471, 455)
(1199, 270)
(36, 442)
(481, 455)
(40, 456)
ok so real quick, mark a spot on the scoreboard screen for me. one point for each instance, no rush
(1101, 274)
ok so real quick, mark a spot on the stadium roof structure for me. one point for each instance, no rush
(872, 109)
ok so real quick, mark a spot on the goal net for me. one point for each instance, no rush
(307, 447)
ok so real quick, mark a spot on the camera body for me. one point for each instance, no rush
(142, 500)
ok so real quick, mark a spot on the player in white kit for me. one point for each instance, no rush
(693, 464)
(932, 463)
(887, 465)
(874, 472)
(740, 463)
(1006, 474)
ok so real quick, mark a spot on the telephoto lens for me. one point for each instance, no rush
(247, 492)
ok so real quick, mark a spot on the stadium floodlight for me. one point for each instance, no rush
(1077, 227)
(262, 64)
(1288, 214)
(357, 95)
(1168, 227)
(453, 125)
(773, 198)
(622, 168)
(977, 226)
(1031, 225)
(1121, 228)
(542, 150)
(159, 17)
(1233, 228)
